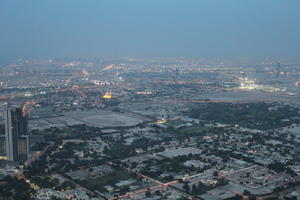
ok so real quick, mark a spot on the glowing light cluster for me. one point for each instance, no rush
(161, 121)
(107, 95)
(250, 84)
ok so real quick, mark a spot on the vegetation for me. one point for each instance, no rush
(250, 115)
(120, 150)
(12, 188)
(44, 182)
(109, 179)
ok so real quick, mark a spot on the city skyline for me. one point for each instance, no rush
(149, 100)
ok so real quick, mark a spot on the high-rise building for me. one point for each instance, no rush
(278, 69)
(2, 147)
(23, 147)
(15, 132)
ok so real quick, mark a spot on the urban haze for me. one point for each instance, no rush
(150, 100)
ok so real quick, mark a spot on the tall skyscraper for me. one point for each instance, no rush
(15, 130)
(23, 147)
(278, 69)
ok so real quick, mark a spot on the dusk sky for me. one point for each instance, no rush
(149, 28)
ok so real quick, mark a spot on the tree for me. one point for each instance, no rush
(247, 192)
(186, 187)
(216, 173)
(55, 198)
(148, 193)
(252, 198)
(236, 197)
(157, 193)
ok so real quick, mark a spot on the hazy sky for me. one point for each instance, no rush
(149, 28)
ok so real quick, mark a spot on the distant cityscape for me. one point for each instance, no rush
(134, 128)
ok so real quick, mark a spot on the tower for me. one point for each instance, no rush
(278, 69)
(15, 130)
